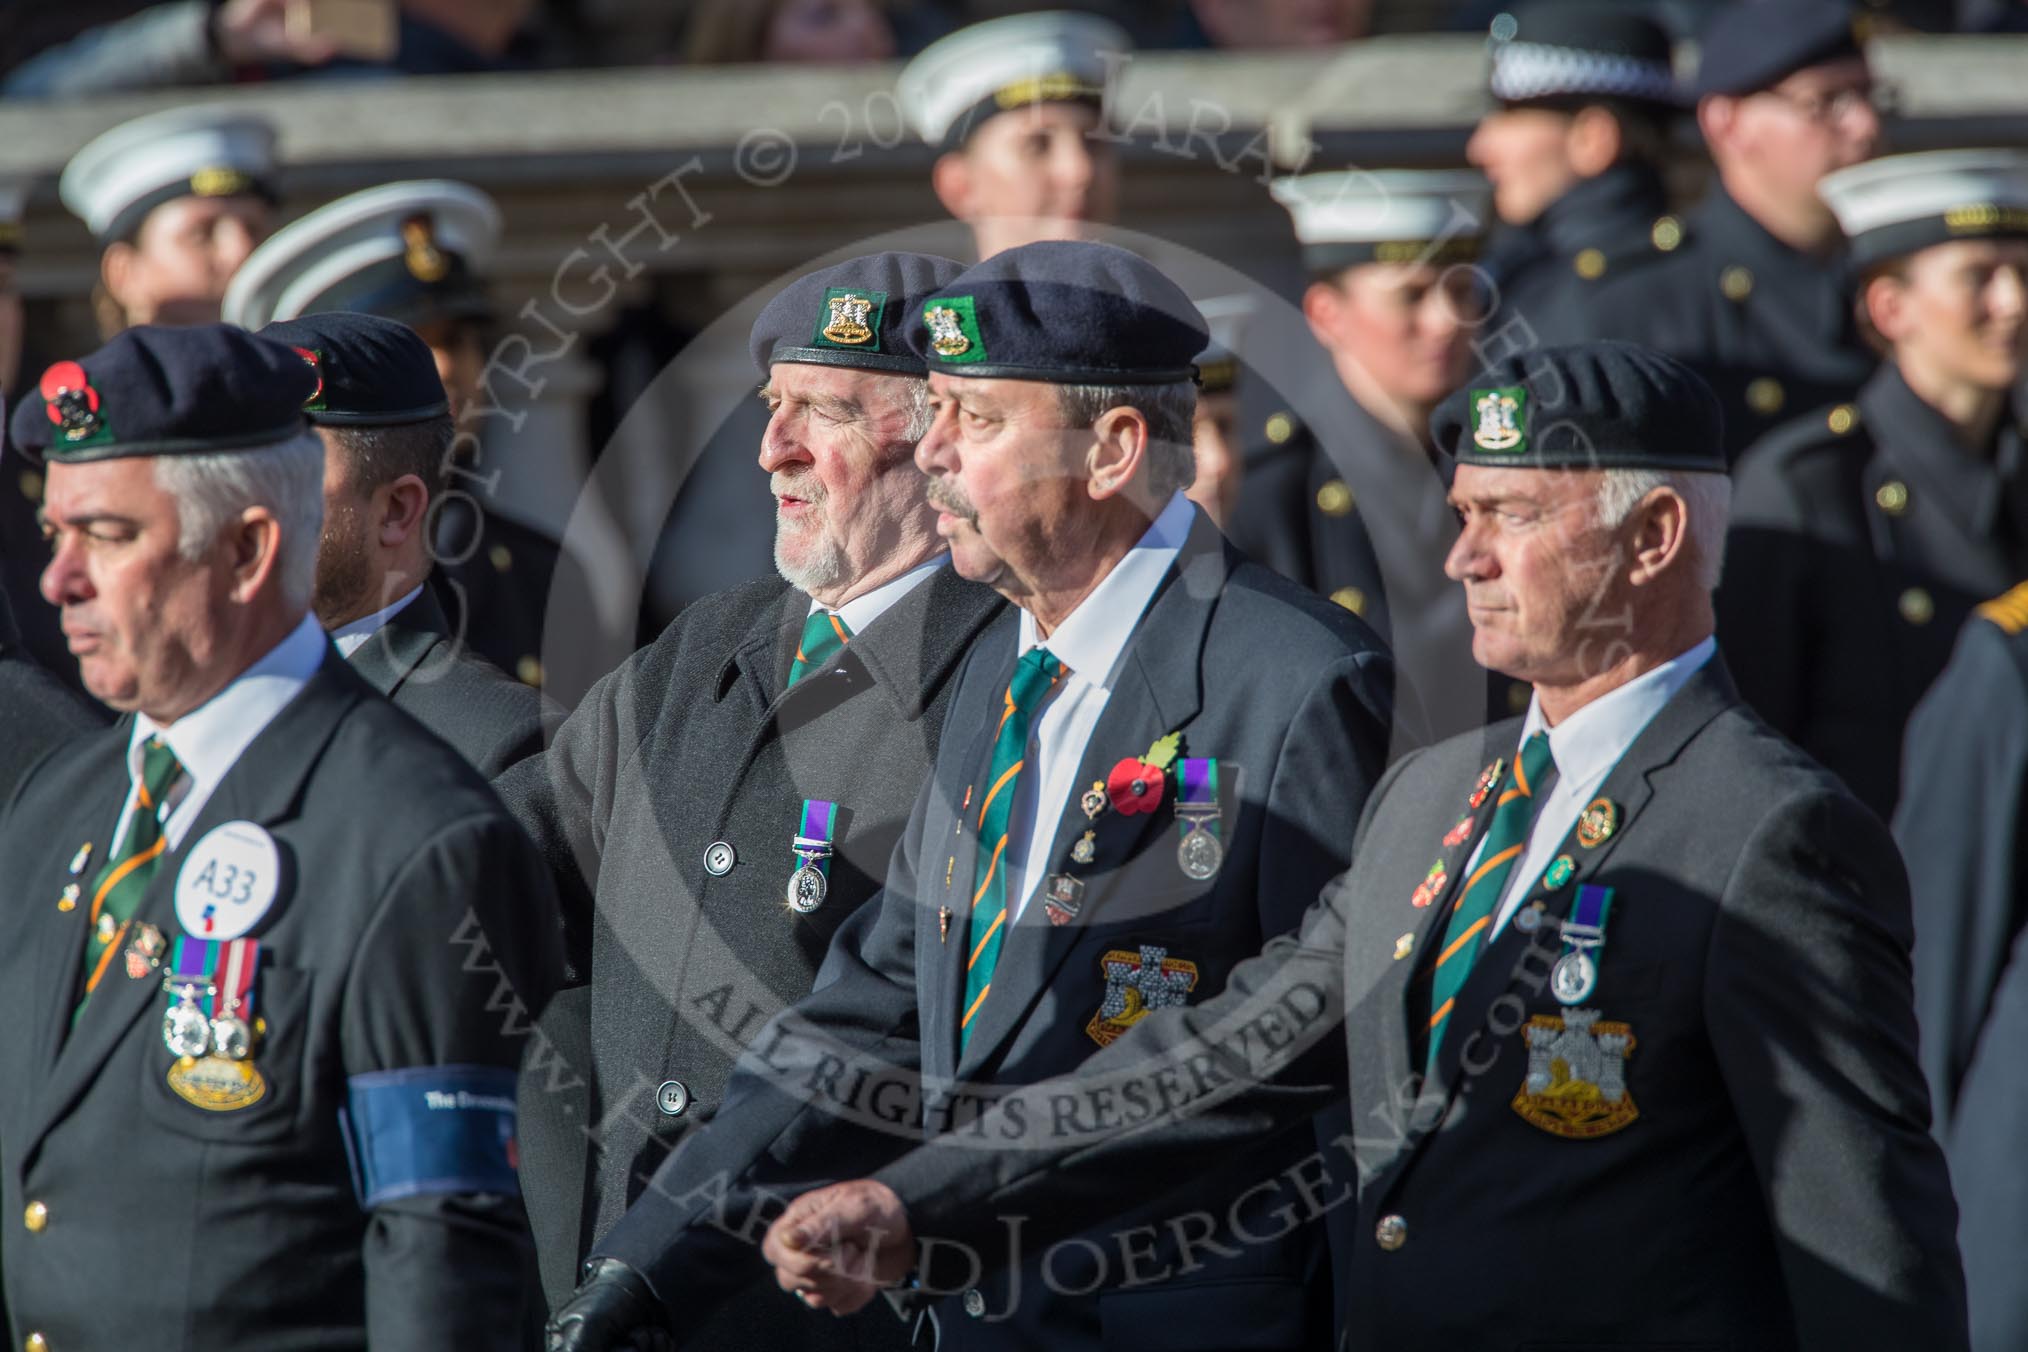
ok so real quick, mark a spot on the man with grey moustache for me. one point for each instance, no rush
(721, 803)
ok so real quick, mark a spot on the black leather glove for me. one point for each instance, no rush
(612, 1310)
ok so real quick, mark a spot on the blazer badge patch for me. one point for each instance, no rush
(1576, 1086)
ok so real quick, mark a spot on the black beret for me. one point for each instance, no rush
(372, 372)
(1565, 53)
(855, 313)
(155, 390)
(1065, 311)
(1603, 405)
(1754, 45)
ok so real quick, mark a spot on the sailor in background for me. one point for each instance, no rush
(1221, 464)
(1012, 106)
(177, 201)
(1866, 531)
(1354, 509)
(416, 252)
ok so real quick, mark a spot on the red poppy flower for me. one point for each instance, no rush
(1135, 786)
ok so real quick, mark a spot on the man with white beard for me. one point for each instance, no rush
(721, 803)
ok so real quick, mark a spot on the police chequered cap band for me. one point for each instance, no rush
(1523, 71)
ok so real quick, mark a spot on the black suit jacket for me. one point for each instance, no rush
(870, 1060)
(406, 925)
(429, 673)
(700, 739)
(1777, 1188)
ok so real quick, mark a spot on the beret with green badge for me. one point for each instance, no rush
(1598, 405)
(855, 313)
(1070, 312)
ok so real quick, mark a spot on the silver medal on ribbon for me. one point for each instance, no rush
(1199, 854)
(186, 1031)
(1574, 978)
(807, 885)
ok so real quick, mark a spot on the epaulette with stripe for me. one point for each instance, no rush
(2009, 610)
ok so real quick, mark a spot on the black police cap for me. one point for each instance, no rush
(1065, 311)
(154, 390)
(1756, 44)
(371, 372)
(856, 313)
(1602, 405)
(1566, 53)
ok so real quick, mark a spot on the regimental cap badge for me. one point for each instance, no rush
(954, 329)
(425, 261)
(850, 318)
(315, 361)
(1499, 419)
(74, 406)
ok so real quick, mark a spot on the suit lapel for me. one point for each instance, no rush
(1629, 786)
(1402, 984)
(401, 646)
(263, 786)
(1159, 690)
(62, 941)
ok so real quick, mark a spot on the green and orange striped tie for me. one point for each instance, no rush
(119, 887)
(1034, 676)
(1479, 899)
(824, 633)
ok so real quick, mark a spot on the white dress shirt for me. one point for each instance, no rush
(210, 738)
(861, 611)
(1586, 746)
(350, 638)
(1089, 643)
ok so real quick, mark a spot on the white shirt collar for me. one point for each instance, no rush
(352, 637)
(1592, 740)
(863, 610)
(1092, 637)
(209, 738)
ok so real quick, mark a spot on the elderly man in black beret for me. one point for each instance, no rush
(382, 414)
(1623, 982)
(261, 1094)
(1755, 295)
(1126, 799)
(718, 807)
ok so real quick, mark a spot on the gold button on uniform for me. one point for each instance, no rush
(1764, 396)
(1892, 497)
(501, 557)
(35, 1342)
(1334, 498)
(1842, 419)
(1280, 427)
(1666, 233)
(1736, 283)
(529, 670)
(36, 1218)
(1391, 1233)
(1351, 598)
(1518, 696)
(31, 485)
(1590, 264)
(1916, 606)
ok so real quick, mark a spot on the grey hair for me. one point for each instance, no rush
(1169, 409)
(1708, 495)
(287, 478)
